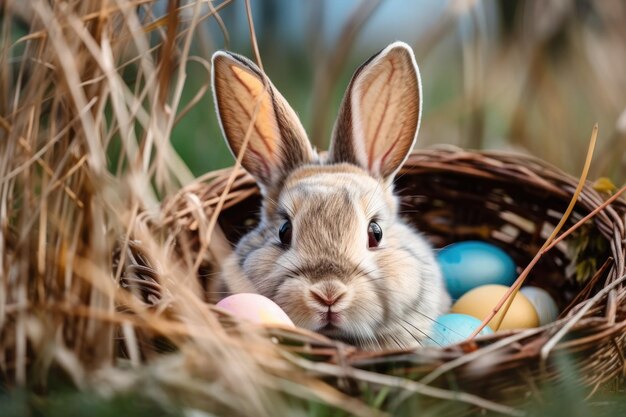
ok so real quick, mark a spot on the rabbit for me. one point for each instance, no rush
(330, 248)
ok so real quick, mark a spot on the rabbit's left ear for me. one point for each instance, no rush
(380, 113)
(248, 105)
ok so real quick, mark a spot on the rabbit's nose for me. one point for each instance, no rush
(328, 294)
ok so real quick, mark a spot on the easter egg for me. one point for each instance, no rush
(544, 304)
(255, 308)
(450, 329)
(470, 264)
(480, 301)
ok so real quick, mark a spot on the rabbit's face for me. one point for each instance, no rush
(330, 249)
(334, 256)
(326, 276)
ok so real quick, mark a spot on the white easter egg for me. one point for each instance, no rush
(544, 304)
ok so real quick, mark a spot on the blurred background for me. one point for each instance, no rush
(528, 75)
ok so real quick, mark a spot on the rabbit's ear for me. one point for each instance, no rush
(248, 103)
(380, 113)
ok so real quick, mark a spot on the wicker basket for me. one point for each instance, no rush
(452, 195)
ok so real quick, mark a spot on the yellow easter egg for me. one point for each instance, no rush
(480, 301)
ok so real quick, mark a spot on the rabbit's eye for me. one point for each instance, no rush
(374, 234)
(284, 233)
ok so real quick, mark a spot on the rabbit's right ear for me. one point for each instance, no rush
(248, 103)
(380, 114)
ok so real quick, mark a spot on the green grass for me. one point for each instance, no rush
(73, 403)
(62, 400)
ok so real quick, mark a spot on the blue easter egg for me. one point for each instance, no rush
(450, 329)
(467, 265)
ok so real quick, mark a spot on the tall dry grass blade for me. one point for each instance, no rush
(253, 41)
(507, 299)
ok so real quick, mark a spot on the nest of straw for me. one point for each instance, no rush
(452, 195)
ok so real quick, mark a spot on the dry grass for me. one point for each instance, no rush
(90, 78)
(94, 92)
(90, 98)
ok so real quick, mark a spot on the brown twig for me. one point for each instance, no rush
(509, 296)
(538, 256)
(407, 385)
(167, 53)
(253, 40)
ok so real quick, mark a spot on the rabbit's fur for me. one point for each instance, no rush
(331, 277)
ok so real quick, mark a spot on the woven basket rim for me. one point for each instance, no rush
(599, 324)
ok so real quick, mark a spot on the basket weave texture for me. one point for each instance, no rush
(451, 195)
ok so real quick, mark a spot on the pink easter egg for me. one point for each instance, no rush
(255, 308)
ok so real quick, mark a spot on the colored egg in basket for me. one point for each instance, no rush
(544, 304)
(470, 264)
(255, 308)
(480, 301)
(450, 329)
